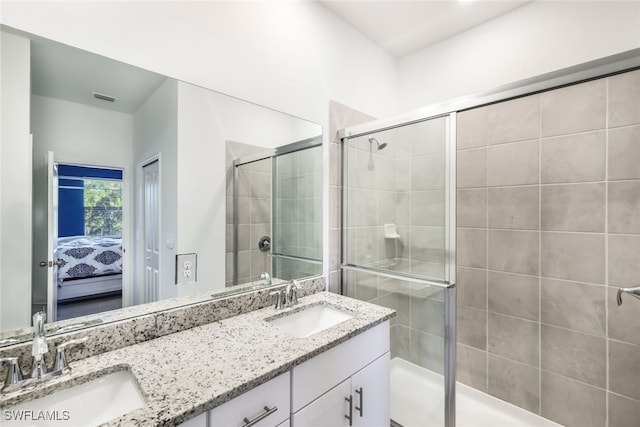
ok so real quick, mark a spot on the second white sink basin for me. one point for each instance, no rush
(310, 320)
(88, 404)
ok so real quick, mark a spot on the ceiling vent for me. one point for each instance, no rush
(103, 97)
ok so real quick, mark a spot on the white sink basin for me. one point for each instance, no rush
(310, 321)
(88, 404)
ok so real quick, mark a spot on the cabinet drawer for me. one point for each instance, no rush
(250, 405)
(315, 376)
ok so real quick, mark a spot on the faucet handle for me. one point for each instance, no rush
(292, 293)
(280, 299)
(61, 358)
(38, 323)
(14, 374)
(266, 277)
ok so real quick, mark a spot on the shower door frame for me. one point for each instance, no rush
(265, 154)
(448, 285)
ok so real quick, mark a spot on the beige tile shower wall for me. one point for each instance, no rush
(340, 117)
(548, 228)
(254, 220)
(299, 207)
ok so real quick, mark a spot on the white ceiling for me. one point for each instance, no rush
(64, 72)
(402, 27)
(398, 26)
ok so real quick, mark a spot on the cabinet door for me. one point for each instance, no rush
(328, 410)
(370, 391)
(199, 421)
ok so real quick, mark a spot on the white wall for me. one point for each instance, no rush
(206, 121)
(291, 56)
(80, 134)
(15, 183)
(155, 132)
(538, 38)
(256, 125)
(201, 187)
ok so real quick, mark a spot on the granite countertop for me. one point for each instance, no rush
(187, 373)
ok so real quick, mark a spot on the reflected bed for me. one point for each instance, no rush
(90, 266)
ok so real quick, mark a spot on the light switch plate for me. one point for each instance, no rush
(186, 268)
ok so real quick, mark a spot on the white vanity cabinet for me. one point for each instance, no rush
(349, 379)
(199, 421)
(345, 386)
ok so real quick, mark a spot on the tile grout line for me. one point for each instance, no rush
(539, 257)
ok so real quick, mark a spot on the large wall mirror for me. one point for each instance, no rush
(145, 188)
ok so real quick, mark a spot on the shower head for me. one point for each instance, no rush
(380, 145)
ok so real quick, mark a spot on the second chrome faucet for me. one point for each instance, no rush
(287, 297)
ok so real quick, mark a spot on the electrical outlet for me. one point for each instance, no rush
(186, 268)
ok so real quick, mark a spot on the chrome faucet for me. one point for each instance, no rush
(631, 291)
(291, 293)
(287, 297)
(39, 347)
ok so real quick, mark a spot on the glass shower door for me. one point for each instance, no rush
(398, 246)
(297, 207)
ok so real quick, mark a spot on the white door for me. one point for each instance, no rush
(151, 233)
(330, 409)
(370, 391)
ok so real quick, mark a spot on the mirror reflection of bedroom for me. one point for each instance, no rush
(82, 109)
(89, 241)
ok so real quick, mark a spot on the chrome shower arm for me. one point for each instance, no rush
(631, 291)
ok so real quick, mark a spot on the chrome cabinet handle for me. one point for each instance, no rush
(350, 416)
(262, 416)
(360, 393)
(631, 291)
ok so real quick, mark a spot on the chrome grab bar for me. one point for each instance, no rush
(631, 291)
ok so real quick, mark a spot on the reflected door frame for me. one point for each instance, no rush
(127, 223)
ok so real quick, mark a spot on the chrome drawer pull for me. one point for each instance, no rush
(256, 420)
(361, 394)
(350, 416)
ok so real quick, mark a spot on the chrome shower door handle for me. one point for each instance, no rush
(631, 291)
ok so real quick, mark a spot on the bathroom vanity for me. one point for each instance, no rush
(250, 370)
(346, 385)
